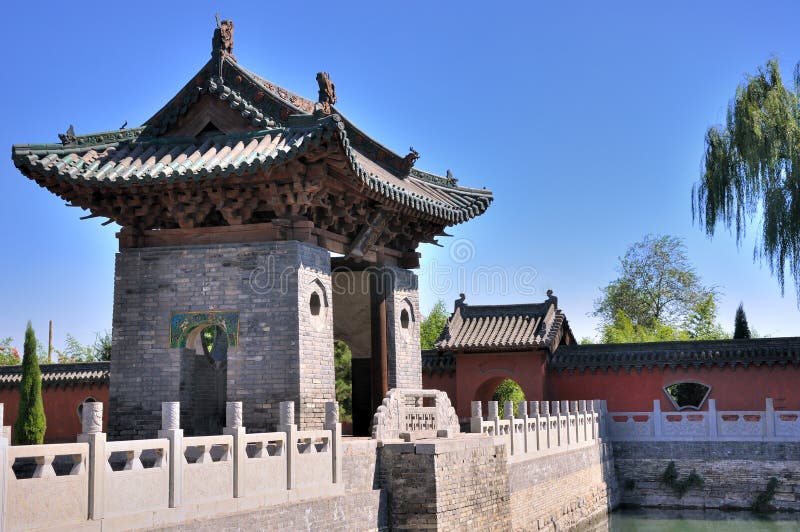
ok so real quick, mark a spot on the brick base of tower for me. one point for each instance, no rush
(283, 349)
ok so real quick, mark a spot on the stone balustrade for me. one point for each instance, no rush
(207, 470)
(66, 490)
(137, 475)
(544, 428)
(709, 425)
(171, 480)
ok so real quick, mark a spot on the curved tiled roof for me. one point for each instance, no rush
(139, 160)
(147, 160)
(756, 352)
(59, 374)
(503, 327)
(287, 128)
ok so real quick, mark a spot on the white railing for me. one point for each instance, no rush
(266, 466)
(169, 480)
(549, 428)
(207, 469)
(710, 425)
(134, 487)
(48, 498)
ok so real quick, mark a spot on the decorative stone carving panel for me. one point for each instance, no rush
(404, 411)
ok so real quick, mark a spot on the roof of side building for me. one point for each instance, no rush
(505, 327)
(701, 353)
(59, 374)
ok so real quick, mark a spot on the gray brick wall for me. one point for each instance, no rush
(733, 473)
(359, 464)
(457, 487)
(280, 355)
(404, 355)
(562, 491)
(356, 511)
(317, 379)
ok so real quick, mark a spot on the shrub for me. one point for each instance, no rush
(31, 423)
(508, 391)
(680, 486)
(763, 500)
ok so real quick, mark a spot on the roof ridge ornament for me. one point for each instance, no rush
(327, 93)
(69, 137)
(222, 42)
(409, 160)
(553, 300)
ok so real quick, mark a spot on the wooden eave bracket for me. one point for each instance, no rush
(368, 235)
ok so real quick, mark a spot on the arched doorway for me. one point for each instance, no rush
(500, 389)
(204, 365)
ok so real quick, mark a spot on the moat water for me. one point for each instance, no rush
(652, 520)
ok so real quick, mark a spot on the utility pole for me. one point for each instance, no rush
(50, 344)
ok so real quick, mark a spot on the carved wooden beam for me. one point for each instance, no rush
(368, 235)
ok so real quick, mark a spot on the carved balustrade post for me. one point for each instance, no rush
(582, 414)
(508, 415)
(234, 427)
(712, 419)
(286, 424)
(565, 413)
(573, 409)
(658, 427)
(508, 410)
(770, 418)
(92, 433)
(535, 413)
(332, 424)
(494, 416)
(522, 413)
(476, 419)
(172, 431)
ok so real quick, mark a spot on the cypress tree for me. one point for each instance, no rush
(740, 327)
(31, 423)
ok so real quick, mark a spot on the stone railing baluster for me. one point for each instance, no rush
(332, 424)
(170, 429)
(92, 433)
(234, 428)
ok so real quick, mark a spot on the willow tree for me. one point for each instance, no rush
(752, 171)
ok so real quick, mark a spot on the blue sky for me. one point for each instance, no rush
(586, 119)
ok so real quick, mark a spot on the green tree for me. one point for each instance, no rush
(740, 327)
(31, 423)
(701, 322)
(623, 331)
(9, 356)
(508, 390)
(657, 297)
(100, 350)
(656, 285)
(343, 370)
(752, 170)
(433, 325)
